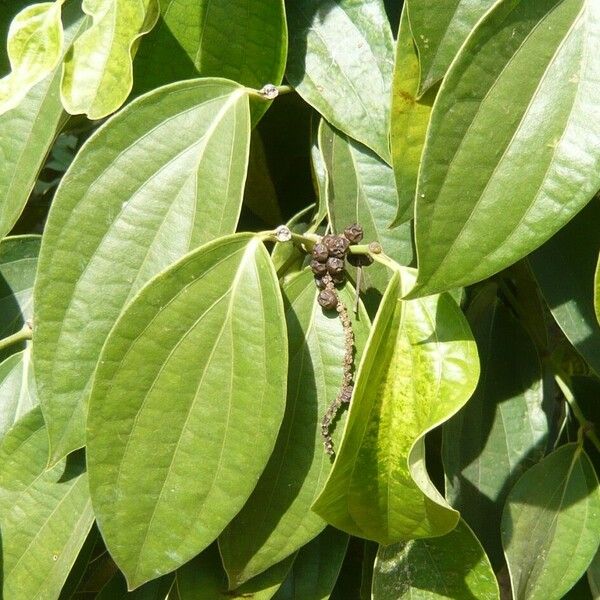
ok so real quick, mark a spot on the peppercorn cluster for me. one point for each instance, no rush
(329, 263)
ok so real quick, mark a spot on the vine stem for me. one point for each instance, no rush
(21, 336)
(585, 426)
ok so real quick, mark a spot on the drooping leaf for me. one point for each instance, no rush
(452, 566)
(35, 45)
(316, 568)
(162, 177)
(564, 268)
(17, 389)
(45, 515)
(116, 589)
(202, 350)
(28, 130)
(18, 264)
(242, 40)
(502, 430)
(341, 59)
(439, 30)
(98, 73)
(361, 189)
(551, 524)
(526, 83)
(419, 368)
(277, 520)
(409, 120)
(204, 579)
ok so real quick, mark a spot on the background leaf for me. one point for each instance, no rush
(502, 430)
(219, 308)
(188, 144)
(480, 206)
(551, 513)
(98, 72)
(45, 515)
(340, 62)
(439, 30)
(35, 45)
(420, 366)
(564, 268)
(451, 566)
(277, 520)
(116, 589)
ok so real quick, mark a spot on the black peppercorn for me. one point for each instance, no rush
(354, 233)
(320, 252)
(335, 266)
(337, 245)
(328, 299)
(318, 268)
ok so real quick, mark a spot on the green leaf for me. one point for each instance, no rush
(277, 520)
(28, 131)
(552, 513)
(409, 120)
(361, 189)
(18, 264)
(163, 176)
(17, 389)
(35, 45)
(218, 308)
(97, 72)
(502, 430)
(116, 589)
(45, 515)
(480, 205)
(439, 30)
(242, 40)
(204, 579)
(419, 368)
(316, 568)
(452, 566)
(573, 253)
(340, 62)
(593, 575)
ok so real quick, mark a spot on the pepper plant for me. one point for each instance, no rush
(300, 299)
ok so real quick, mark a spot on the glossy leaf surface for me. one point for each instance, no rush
(98, 72)
(480, 206)
(159, 501)
(162, 177)
(277, 520)
(18, 264)
(316, 568)
(340, 62)
(502, 430)
(419, 368)
(573, 253)
(45, 515)
(551, 513)
(35, 45)
(439, 30)
(452, 566)
(204, 579)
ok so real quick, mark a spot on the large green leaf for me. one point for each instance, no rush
(340, 62)
(452, 566)
(35, 45)
(525, 84)
(97, 72)
(316, 568)
(162, 177)
(204, 579)
(201, 352)
(419, 368)
(409, 120)
(439, 30)
(45, 515)
(361, 189)
(28, 130)
(17, 389)
(18, 264)
(503, 429)
(573, 253)
(277, 520)
(551, 524)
